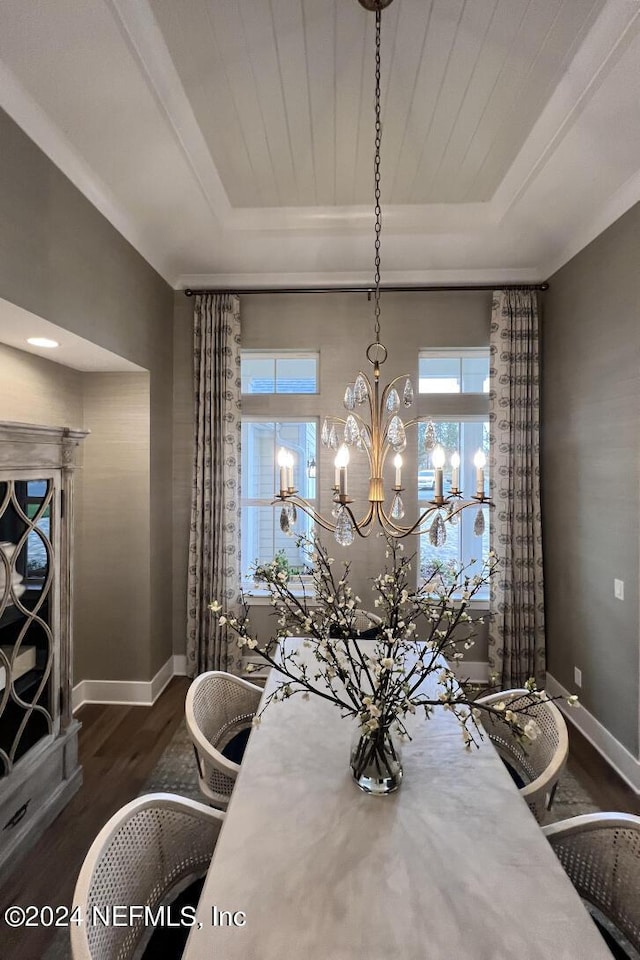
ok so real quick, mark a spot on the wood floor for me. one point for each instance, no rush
(119, 747)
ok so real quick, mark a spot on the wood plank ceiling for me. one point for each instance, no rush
(283, 90)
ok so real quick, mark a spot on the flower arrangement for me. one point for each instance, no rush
(377, 675)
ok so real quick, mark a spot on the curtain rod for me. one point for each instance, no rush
(401, 288)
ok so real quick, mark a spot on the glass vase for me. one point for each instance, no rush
(376, 763)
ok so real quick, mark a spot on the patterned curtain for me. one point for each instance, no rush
(516, 624)
(214, 539)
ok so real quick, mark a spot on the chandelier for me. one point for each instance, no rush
(373, 426)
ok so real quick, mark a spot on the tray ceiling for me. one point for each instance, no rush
(231, 141)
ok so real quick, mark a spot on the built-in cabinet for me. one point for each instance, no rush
(39, 769)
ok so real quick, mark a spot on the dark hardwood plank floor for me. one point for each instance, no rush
(119, 747)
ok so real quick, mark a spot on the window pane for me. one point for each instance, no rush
(462, 545)
(439, 375)
(277, 373)
(300, 440)
(448, 436)
(296, 375)
(257, 374)
(475, 374)
(466, 373)
(258, 460)
(262, 538)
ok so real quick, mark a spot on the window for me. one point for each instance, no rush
(262, 538)
(278, 372)
(454, 371)
(461, 425)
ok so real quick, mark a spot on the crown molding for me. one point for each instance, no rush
(466, 232)
(615, 29)
(391, 277)
(144, 38)
(622, 201)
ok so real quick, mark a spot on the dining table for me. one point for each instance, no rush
(452, 866)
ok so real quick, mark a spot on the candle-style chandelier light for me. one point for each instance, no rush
(374, 426)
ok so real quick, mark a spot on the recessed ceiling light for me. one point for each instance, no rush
(43, 342)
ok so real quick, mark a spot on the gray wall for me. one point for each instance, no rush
(112, 608)
(590, 456)
(340, 326)
(112, 601)
(60, 259)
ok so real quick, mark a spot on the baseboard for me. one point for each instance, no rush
(143, 693)
(179, 665)
(617, 756)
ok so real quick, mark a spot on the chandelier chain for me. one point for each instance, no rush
(376, 168)
(374, 425)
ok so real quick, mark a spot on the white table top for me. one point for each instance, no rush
(451, 867)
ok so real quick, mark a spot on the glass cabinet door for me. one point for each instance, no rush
(28, 707)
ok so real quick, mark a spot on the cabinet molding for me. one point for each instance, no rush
(39, 770)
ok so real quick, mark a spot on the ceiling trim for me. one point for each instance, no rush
(32, 120)
(239, 280)
(622, 201)
(616, 27)
(613, 31)
(144, 38)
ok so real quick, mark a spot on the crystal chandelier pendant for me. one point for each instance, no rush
(452, 517)
(397, 508)
(349, 398)
(430, 437)
(284, 521)
(437, 532)
(396, 434)
(344, 529)
(407, 393)
(360, 391)
(364, 437)
(333, 437)
(478, 523)
(393, 401)
(324, 435)
(351, 430)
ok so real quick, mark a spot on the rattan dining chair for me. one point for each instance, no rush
(148, 853)
(363, 621)
(219, 712)
(600, 852)
(536, 765)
